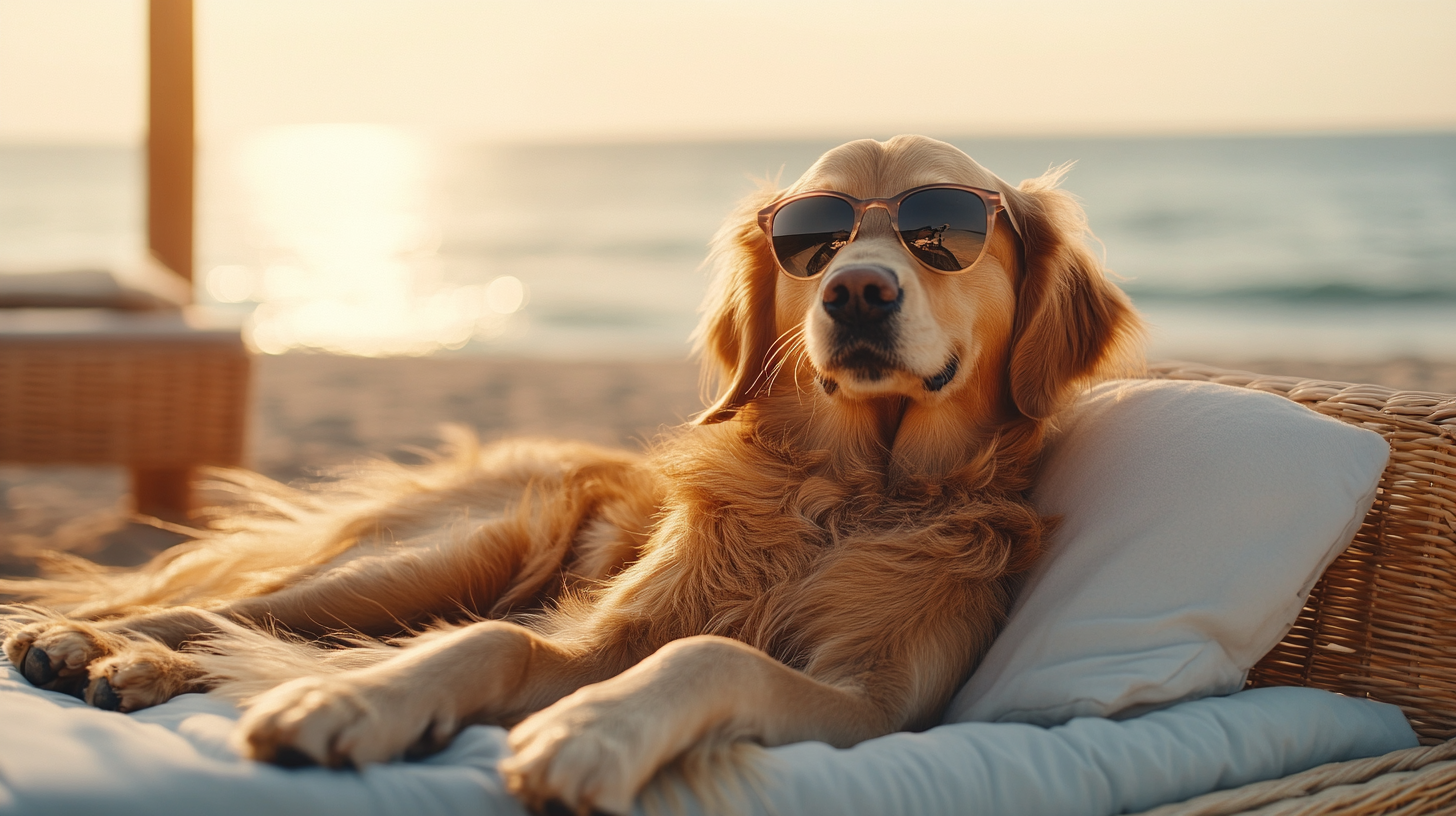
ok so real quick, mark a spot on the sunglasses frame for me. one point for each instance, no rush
(891, 206)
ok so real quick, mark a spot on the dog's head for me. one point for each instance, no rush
(1014, 334)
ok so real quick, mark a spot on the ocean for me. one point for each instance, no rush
(370, 240)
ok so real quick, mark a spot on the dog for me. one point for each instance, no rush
(823, 554)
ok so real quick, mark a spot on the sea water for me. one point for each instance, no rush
(370, 240)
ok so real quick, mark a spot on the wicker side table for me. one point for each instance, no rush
(160, 393)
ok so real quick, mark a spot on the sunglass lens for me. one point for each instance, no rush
(807, 233)
(944, 229)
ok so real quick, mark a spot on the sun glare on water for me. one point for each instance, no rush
(340, 220)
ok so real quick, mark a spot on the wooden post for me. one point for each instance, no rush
(170, 139)
(167, 493)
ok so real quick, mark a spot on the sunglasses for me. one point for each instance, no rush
(945, 226)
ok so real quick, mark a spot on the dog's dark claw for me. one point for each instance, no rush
(289, 757)
(103, 696)
(37, 667)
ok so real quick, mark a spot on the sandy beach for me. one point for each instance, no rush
(313, 412)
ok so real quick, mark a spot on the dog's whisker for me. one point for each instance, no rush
(776, 358)
(782, 360)
(800, 353)
(797, 353)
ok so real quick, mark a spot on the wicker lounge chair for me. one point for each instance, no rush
(133, 380)
(159, 392)
(1381, 623)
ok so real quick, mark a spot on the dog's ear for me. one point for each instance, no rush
(1072, 324)
(736, 334)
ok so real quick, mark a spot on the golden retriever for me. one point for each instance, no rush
(823, 555)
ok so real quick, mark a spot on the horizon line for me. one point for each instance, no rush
(460, 136)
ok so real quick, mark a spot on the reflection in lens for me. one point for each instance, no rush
(808, 232)
(944, 229)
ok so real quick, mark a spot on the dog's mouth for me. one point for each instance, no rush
(864, 363)
(869, 365)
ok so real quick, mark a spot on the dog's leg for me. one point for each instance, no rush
(490, 671)
(128, 663)
(386, 594)
(124, 663)
(870, 670)
(595, 749)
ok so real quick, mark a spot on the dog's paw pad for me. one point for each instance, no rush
(36, 667)
(556, 807)
(287, 756)
(41, 671)
(103, 696)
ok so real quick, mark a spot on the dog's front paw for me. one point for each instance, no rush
(590, 752)
(141, 675)
(55, 654)
(346, 720)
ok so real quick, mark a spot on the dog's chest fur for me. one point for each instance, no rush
(806, 546)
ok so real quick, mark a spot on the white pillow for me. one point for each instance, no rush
(1195, 520)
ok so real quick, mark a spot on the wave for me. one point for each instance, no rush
(553, 247)
(1311, 294)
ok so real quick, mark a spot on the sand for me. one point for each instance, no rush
(313, 412)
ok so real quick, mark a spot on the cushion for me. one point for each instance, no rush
(1088, 766)
(59, 756)
(140, 286)
(1195, 519)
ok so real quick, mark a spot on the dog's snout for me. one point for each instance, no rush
(862, 295)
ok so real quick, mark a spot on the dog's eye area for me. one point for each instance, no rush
(809, 232)
(944, 229)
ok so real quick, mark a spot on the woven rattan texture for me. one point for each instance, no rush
(1381, 623)
(147, 404)
(1401, 783)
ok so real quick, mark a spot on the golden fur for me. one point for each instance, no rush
(823, 555)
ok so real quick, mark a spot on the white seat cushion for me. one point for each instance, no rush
(60, 757)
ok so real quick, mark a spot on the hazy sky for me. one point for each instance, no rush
(660, 69)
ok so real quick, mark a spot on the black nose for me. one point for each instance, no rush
(862, 295)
